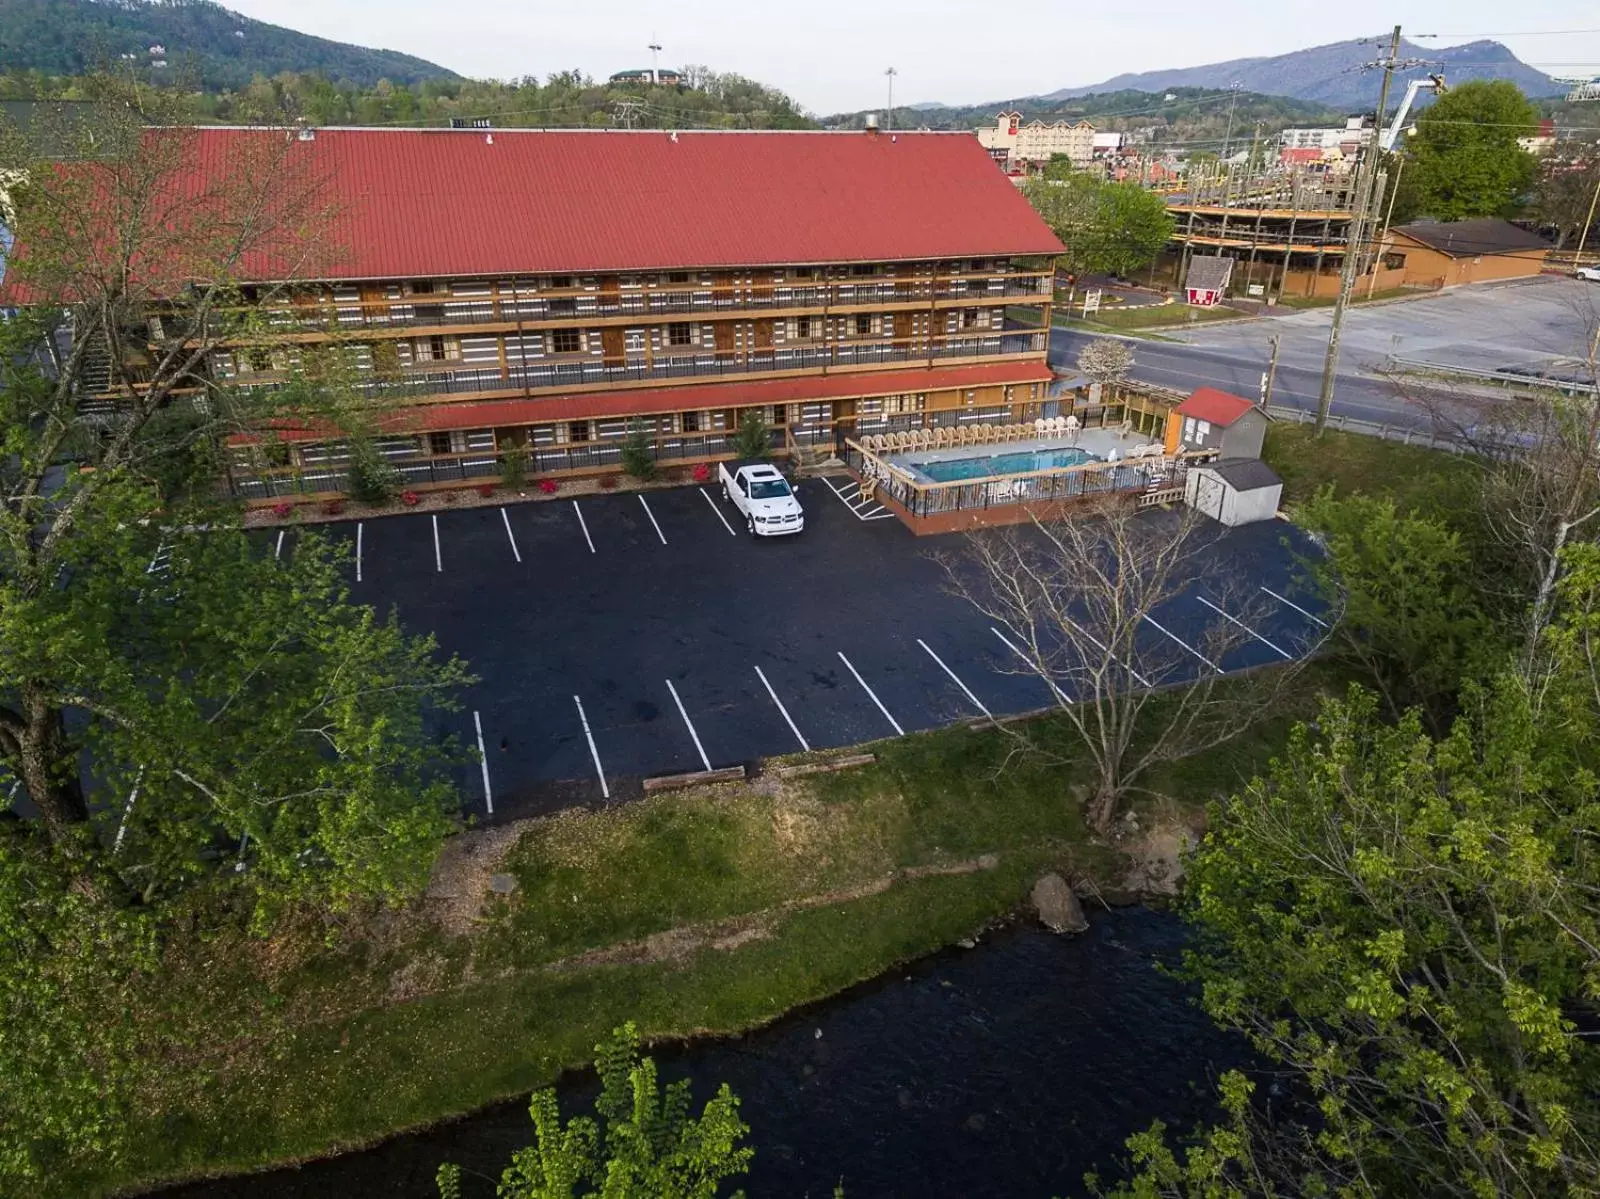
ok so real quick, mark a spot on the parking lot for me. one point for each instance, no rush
(620, 636)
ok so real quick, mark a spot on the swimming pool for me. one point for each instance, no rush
(954, 469)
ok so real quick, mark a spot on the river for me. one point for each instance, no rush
(1006, 1070)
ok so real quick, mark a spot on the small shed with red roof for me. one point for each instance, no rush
(1213, 420)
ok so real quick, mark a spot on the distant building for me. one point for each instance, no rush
(1037, 142)
(1543, 141)
(1108, 145)
(644, 75)
(1450, 253)
(1355, 133)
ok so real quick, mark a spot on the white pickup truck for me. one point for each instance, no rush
(763, 497)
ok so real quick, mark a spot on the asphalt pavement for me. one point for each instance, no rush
(627, 635)
(1533, 322)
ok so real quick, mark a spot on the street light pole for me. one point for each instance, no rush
(889, 124)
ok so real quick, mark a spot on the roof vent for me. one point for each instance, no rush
(306, 134)
(872, 124)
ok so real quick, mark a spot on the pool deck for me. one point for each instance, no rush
(1098, 442)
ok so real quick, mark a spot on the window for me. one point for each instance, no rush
(969, 318)
(780, 414)
(431, 349)
(438, 443)
(578, 430)
(680, 333)
(422, 287)
(566, 341)
(258, 359)
(802, 326)
(560, 280)
(863, 324)
(691, 422)
(862, 268)
(803, 272)
(564, 307)
(677, 276)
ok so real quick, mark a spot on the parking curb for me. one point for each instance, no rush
(696, 778)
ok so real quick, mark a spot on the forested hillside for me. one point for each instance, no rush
(569, 98)
(197, 38)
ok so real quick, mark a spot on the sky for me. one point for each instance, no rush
(830, 55)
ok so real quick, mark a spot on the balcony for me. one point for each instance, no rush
(542, 375)
(509, 310)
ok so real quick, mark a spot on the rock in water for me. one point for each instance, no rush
(1058, 908)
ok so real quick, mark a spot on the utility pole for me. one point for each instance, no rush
(1227, 141)
(1361, 200)
(1271, 375)
(1583, 238)
(889, 123)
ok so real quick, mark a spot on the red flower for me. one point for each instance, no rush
(282, 509)
(549, 486)
(608, 482)
(486, 490)
(409, 498)
(702, 472)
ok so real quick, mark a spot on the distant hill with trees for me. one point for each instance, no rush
(567, 99)
(1193, 115)
(197, 38)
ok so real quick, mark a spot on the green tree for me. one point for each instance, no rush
(1106, 227)
(753, 439)
(639, 454)
(1464, 157)
(645, 1144)
(1409, 926)
(156, 673)
(1564, 193)
(1409, 618)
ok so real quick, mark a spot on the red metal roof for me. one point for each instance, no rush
(1218, 407)
(441, 203)
(599, 405)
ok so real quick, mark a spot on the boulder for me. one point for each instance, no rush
(502, 884)
(1058, 908)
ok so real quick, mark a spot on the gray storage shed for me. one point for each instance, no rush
(1235, 491)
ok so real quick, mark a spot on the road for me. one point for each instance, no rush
(1527, 322)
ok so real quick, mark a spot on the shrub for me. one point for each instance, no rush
(283, 509)
(549, 486)
(409, 498)
(333, 507)
(514, 466)
(373, 480)
(486, 490)
(702, 472)
(608, 482)
(752, 440)
(449, 497)
(639, 454)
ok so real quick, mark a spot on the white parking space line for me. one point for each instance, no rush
(438, 555)
(277, 551)
(718, 511)
(1225, 616)
(514, 550)
(1017, 649)
(584, 525)
(955, 678)
(483, 761)
(789, 720)
(594, 753)
(861, 509)
(1101, 645)
(900, 732)
(659, 533)
(359, 527)
(1314, 619)
(700, 749)
(1160, 628)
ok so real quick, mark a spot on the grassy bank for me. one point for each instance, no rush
(697, 913)
(1417, 479)
(1155, 316)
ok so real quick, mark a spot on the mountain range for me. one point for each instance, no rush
(219, 46)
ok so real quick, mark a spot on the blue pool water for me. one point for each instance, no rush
(955, 469)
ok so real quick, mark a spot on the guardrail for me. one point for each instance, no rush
(1571, 387)
(1404, 434)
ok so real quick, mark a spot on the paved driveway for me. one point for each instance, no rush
(621, 636)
